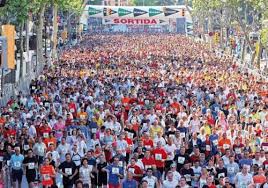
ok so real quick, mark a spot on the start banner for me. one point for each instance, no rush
(152, 12)
(134, 21)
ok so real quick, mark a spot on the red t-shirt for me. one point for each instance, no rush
(44, 131)
(135, 170)
(47, 172)
(148, 162)
(129, 143)
(148, 143)
(160, 155)
(10, 133)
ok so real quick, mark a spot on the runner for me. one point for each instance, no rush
(48, 173)
(142, 101)
(16, 161)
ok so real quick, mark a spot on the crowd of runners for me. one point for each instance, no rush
(142, 110)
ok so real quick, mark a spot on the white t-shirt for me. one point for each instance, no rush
(151, 181)
(39, 149)
(170, 184)
(62, 150)
(176, 176)
(243, 180)
(161, 139)
(170, 149)
(84, 173)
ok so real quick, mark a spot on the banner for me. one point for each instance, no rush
(9, 32)
(154, 12)
(134, 21)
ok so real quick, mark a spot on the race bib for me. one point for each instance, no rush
(187, 177)
(45, 135)
(130, 135)
(265, 148)
(226, 146)
(8, 162)
(231, 170)
(158, 157)
(49, 143)
(17, 164)
(40, 150)
(132, 170)
(182, 135)
(120, 163)
(101, 136)
(215, 142)
(93, 130)
(181, 160)
(46, 177)
(31, 165)
(147, 166)
(115, 170)
(26, 147)
(68, 171)
(171, 136)
(1, 158)
(148, 147)
(238, 150)
(221, 175)
(72, 110)
(208, 148)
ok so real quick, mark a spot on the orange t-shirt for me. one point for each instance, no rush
(49, 141)
(82, 115)
(47, 172)
(224, 143)
(259, 179)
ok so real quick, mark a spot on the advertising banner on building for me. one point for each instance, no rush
(134, 21)
(8, 31)
(154, 12)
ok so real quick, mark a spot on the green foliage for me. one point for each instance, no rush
(264, 37)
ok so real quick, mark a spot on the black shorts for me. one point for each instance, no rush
(17, 175)
(102, 180)
(31, 177)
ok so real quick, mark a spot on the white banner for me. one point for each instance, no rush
(134, 21)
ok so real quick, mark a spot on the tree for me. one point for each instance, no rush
(247, 14)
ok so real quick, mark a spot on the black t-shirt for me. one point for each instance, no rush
(187, 173)
(69, 169)
(30, 163)
(132, 132)
(100, 166)
(180, 160)
(220, 173)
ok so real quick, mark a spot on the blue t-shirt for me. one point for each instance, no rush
(247, 162)
(130, 184)
(16, 161)
(113, 170)
(92, 161)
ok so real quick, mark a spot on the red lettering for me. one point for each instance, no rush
(131, 21)
(124, 21)
(116, 21)
(153, 21)
(147, 21)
